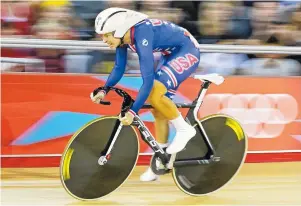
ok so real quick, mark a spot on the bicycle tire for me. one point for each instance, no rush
(199, 180)
(81, 175)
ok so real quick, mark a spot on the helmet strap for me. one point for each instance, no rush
(121, 39)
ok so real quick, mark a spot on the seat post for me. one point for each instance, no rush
(205, 85)
(192, 113)
(201, 94)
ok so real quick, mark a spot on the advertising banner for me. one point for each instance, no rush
(40, 112)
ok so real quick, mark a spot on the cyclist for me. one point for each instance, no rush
(124, 29)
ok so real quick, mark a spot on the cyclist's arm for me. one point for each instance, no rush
(119, 68)
(144, 48)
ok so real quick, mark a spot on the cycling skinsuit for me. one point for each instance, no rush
(180, 57)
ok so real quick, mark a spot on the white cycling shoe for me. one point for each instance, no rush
(148, 176)
(182, 137)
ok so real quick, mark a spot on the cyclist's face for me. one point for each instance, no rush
(111, 40)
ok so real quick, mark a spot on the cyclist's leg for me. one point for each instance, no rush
(159, 91)
(161, 122)
(164, 89)
(161, 102)
(158, 99)
(161, 135)
(161, 128)
(178, 67)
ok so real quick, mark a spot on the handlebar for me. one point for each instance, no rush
(127, 99)
(105, 102)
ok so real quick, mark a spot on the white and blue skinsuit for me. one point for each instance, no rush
(180, 57)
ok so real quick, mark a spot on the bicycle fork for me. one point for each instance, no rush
(105, 157)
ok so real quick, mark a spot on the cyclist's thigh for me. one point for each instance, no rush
(177, 67)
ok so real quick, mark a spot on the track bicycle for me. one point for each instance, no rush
(102, 154)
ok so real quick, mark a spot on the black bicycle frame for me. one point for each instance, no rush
(147, 137)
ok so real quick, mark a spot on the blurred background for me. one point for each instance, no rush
(211, 22)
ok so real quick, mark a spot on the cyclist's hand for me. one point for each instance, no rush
(98, 97)
(128, 118)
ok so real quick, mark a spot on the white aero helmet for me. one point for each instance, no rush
(118, 20)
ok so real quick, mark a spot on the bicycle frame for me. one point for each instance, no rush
(147, 137)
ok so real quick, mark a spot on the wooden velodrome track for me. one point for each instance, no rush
(256, 184)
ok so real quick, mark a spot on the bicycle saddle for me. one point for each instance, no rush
(214, 78)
